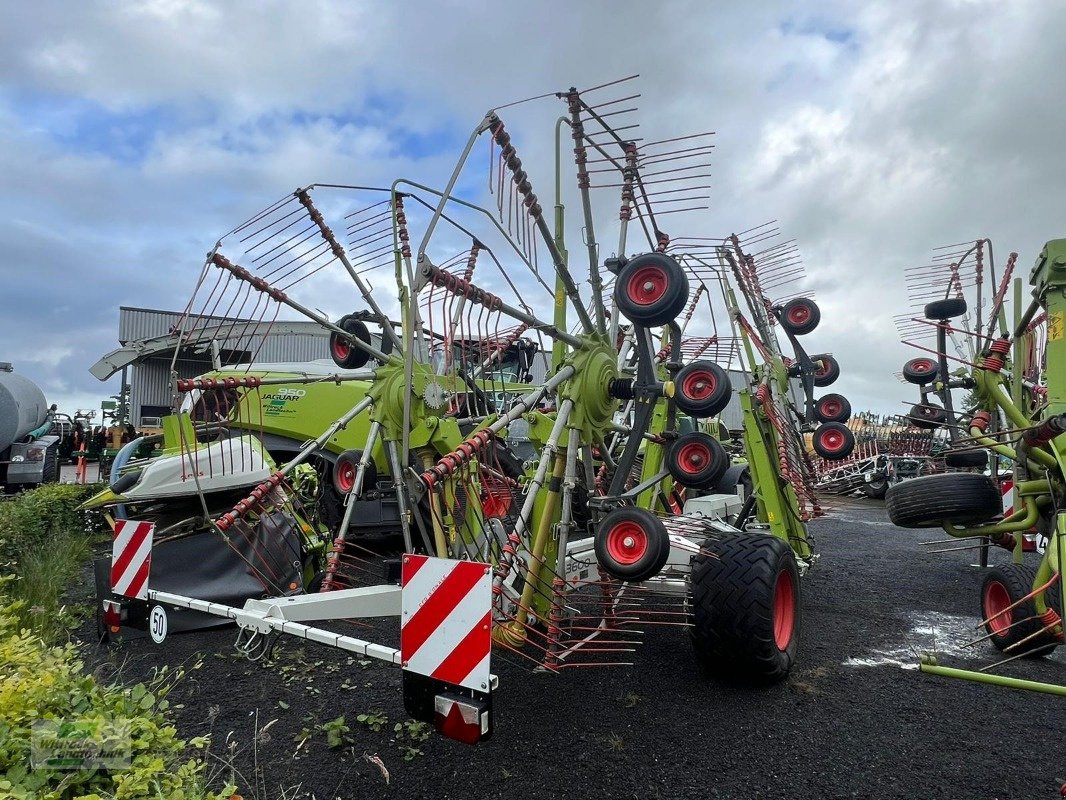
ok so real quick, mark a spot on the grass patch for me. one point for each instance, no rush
(44, 542)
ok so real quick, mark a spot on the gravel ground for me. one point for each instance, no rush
(850, 721)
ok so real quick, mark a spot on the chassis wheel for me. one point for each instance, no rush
(651, 290)
(344, 354)
(345, 469)
(832, 408)
(876, 489)
(631, 544)
(921, 370)
(702, 389)
(833, 441)
(962, 498)
(1004, 585)
(945, 309)
(800, 316)
(827, 370)
(697, 460)
(927, 416)
(745, 607)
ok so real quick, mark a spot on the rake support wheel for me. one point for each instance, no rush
(961, 498)
(945, 309)
(827, 370)
(745, 607)
(344, 354)
(702, 389)
(800, 316)
(345, 469)
(833, 441)
(1003, 586)
(631, 544)
(697, 460)
(927, 416)
(832, 408)
(921, 370)
(651, 290)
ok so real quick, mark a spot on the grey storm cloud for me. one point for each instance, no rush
(872, 132)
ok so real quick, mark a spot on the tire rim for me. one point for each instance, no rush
(627, 542)
(798, 315)
(647, 285)
(784, 609)
(699, 385)
(345, 472)
(694, 457)
(832, 440)
(823, 367)
(831, 408)
(341, 349)
(997, 598)
(922, 366)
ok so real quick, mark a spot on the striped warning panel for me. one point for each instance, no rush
(1006, 488)
(446, 620)
(131, 558)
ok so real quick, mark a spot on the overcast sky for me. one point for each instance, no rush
(132, 134)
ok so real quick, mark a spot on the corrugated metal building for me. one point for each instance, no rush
(240, 341)
(237, 341)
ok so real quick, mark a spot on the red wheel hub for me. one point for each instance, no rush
(923, 366)
(698, 385)
(784, 609)
(341, 349)
(831, 408)
(694, 457)
(627, 542)
(823, 369)
(997, 598)
(345, 475)
(798, 315)
(832, 440)
(647, 285)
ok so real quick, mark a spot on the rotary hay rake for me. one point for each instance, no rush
(1006, 478)
(609, 523)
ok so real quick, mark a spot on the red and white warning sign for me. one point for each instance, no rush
(1006, 488)
(131, 558)
(446, 620)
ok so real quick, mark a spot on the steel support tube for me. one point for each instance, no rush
(994, 680)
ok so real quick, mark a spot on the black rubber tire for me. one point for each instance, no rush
(962, 498)
(344, 471)
(344, 355)
(702, 389)
(697, 460)
(832, 408)
(735, 613)
(966, 459)
(315, 584)
(652, 544)
(876, 489)
(945, 309)
(1011, 582)
(833, 441)
(732, 478)
(921, 370)
(800, 316)
(661, 303)
(927, 416)
(827, 371)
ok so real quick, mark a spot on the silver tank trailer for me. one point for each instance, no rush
(22, 406)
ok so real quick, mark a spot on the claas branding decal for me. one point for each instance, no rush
(275, 404)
